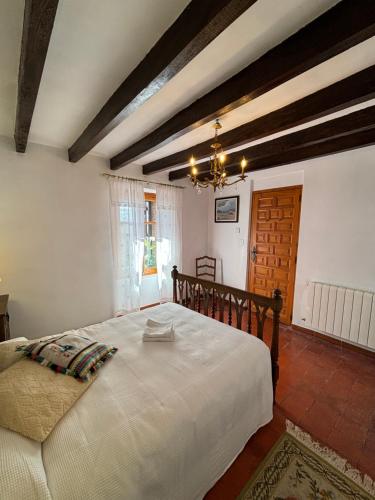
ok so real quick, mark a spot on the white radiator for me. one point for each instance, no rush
(343, 312)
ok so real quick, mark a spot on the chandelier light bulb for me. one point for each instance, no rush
(222, 157)
(194, 171)
(243, 163)
(192, 161)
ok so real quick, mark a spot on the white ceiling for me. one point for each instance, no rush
(96, 44)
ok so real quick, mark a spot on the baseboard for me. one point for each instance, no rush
(335, 341)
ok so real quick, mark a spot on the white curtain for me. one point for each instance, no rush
(168, 236)
(127, 207)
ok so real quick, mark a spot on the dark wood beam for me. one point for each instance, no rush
(38, 19)
(353, 90)
(193, 30)
(349, 124)
(340, 144)
(344, 25)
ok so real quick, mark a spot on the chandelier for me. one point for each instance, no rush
(217, 176)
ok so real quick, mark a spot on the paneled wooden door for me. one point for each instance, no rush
(273, 242)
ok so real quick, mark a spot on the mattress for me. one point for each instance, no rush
(163, 420)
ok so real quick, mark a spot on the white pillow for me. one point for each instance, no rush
(8, 354)
(17, 339)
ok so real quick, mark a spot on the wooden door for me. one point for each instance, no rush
(273, 242)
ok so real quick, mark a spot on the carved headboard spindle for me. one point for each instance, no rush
(230, 310)
(249, 316)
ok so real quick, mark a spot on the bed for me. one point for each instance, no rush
(162, 420)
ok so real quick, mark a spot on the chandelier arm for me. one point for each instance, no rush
(237, 180)
(202, 184)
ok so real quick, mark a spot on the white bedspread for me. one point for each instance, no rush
(163, 420)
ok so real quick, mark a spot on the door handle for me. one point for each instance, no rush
(253, 254)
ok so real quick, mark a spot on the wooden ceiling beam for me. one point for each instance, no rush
(343, 26)
(352, 90)
(38, 20)
(194, 29)
(340, 144)
(317, 135)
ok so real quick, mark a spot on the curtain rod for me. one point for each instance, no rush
(141, 180)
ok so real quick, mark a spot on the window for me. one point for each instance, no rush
(149, 264)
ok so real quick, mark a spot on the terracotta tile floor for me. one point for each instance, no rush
(326, 389)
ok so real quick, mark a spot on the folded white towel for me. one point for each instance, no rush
(158, 332)
(157, 325)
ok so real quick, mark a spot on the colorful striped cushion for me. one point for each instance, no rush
(70, 354)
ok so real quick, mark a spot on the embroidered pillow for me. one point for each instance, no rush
(70, 354)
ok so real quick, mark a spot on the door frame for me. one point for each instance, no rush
(251, 216)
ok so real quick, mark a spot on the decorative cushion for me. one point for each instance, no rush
(34, 399)
(8, 354)
(70, 354)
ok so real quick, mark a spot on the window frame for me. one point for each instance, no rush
(151, 270)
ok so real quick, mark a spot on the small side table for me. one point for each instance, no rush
(4, 318)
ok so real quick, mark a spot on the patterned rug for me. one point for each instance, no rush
(298, 468)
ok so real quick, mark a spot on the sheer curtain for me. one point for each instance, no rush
(127, 207)
(168, 236)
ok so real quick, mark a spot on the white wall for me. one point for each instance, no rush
(337, 229)
(337, 233)
(55, 256)
(55, 253)
(194, 228)
(227, 241)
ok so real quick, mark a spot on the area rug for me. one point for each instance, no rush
(298, 468)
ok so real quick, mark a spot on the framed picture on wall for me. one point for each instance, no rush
(226, 209)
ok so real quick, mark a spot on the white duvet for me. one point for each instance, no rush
(163, 420)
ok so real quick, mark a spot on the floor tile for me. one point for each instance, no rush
(329, 391)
